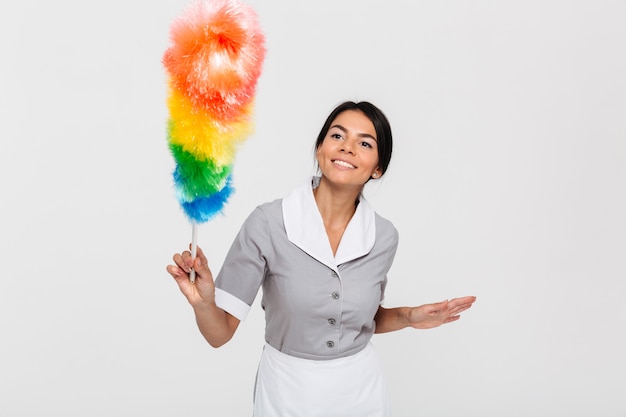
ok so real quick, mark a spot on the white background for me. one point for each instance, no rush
(508, 182)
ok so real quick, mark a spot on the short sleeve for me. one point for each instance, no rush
(243, 271)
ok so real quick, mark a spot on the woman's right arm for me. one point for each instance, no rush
(216, 325)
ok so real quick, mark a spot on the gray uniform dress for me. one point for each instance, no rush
(318, 306)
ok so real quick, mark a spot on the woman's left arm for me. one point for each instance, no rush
(425, 316)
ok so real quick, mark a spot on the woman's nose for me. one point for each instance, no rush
(347, 147)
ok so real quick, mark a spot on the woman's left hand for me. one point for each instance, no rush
(428, 316)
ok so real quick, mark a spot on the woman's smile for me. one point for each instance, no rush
(343, 163)
(349, 153)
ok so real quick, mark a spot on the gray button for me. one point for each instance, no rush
(330, 344)
(335, 295)
(332, 322)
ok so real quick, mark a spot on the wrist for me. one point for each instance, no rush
(203, 307)
(404, 318)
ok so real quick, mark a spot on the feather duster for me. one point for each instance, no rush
(213, 64)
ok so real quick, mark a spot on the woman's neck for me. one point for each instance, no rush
(336, 206)
(336, 202)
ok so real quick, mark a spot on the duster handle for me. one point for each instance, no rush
(194, 249)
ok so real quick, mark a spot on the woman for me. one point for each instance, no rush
(321, 255)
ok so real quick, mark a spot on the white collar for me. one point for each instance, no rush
(305, 227)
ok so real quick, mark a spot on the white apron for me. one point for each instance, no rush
(288, 386)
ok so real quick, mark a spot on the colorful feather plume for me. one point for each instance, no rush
(213, 64)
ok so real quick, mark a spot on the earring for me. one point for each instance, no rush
(375, 175)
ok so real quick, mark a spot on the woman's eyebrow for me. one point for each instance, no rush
(362, 135)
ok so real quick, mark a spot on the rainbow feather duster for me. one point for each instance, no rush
(213, 64)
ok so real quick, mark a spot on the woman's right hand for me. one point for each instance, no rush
(202, 291)
(216, 325)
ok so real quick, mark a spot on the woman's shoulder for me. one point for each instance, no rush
(385, 228)
(269, 208)
(269, 211)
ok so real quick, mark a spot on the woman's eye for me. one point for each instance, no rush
(335, 136)
(366, 144)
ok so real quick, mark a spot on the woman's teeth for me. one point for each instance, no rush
(343, 164)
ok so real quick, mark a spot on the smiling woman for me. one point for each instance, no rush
(321, 255)
(376, 119)
(349, 155)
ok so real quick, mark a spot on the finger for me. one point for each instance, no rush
(178, 260)
(451, 319)
(187, 263)
(174, 271)
(460, 305)
(435, 308)
(200, 255)
(463, 300)
(459, 309)
(181, 277)
(201, 266)
(456, 311)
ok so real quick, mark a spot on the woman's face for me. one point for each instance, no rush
(349, 153)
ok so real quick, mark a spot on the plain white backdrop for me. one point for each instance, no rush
(508, 182)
